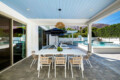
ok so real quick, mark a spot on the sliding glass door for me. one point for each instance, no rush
(19, 41)
(12, 42)
(5, 56)
(42, 38)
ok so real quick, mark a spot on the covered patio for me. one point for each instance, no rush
(100, 71)
(43, 15)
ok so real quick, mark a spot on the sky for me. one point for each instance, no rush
(111, 19)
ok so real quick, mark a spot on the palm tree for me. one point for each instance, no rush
(80, 29)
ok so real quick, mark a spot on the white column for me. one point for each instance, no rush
(90, 37)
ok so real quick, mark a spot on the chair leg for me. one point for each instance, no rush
(79, 67)
(89, 63)
(49, 71)
(38, 72)
(82, 74)
(52, 62)
(71, 71)
(68, 63)
(32, 63)
(65, 70)
(41, 66)
(55, 70)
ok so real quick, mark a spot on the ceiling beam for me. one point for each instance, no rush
(107, 11)
(67, 22)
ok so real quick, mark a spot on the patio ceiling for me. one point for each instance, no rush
(48, 9)
(45, 12)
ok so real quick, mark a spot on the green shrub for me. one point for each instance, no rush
(59, 49)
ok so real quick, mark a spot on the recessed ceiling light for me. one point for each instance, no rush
(28, 9)
(91, 9)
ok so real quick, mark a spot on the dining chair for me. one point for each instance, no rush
(51, 56)
(60, 61)
(59, 55)
(87, 58)
(77, 61)
(69, 56)
(45, 61)
(35, 58)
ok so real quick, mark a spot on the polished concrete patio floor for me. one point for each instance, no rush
(100, 71)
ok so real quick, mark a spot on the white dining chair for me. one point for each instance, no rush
(60, 61)
(44, 61)
(51, 56)
(77, 61)
(69, 56)
(35, 58)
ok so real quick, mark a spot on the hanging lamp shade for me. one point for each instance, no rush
(60, 25)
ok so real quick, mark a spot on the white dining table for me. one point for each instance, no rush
(55, 52)
(65, 52)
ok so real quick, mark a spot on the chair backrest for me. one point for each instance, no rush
(59, 55)
(35, 56)
(70, 54)
(44, 60)
(50, 48)
(49, 55)
(77, 60)
(60, 60)
(88, 55)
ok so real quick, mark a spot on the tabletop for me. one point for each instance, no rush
(65, 52)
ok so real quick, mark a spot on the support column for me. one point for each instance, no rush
(90, 37)
(72, 38)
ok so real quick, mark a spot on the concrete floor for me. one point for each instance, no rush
(100, 71)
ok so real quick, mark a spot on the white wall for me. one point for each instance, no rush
(53, 40)
(32, 28)
(114, 40)
(75, 39)
(68, 39)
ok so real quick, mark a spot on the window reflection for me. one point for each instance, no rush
(19, 41)
(4, 42)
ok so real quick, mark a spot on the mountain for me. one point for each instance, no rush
(98, 25)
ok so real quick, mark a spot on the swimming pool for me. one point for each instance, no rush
(97, 44)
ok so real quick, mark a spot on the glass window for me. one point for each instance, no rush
(19, 41)
(4, 42)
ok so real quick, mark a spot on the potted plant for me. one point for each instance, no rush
(59, 49)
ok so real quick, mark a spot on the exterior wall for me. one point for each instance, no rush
(75, 39)
(114, 40)
(68, 39)
(104, 50)
(32, 32)
(111, 50)
(53, 40)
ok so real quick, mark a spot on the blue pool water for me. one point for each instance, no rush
(97, 44)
